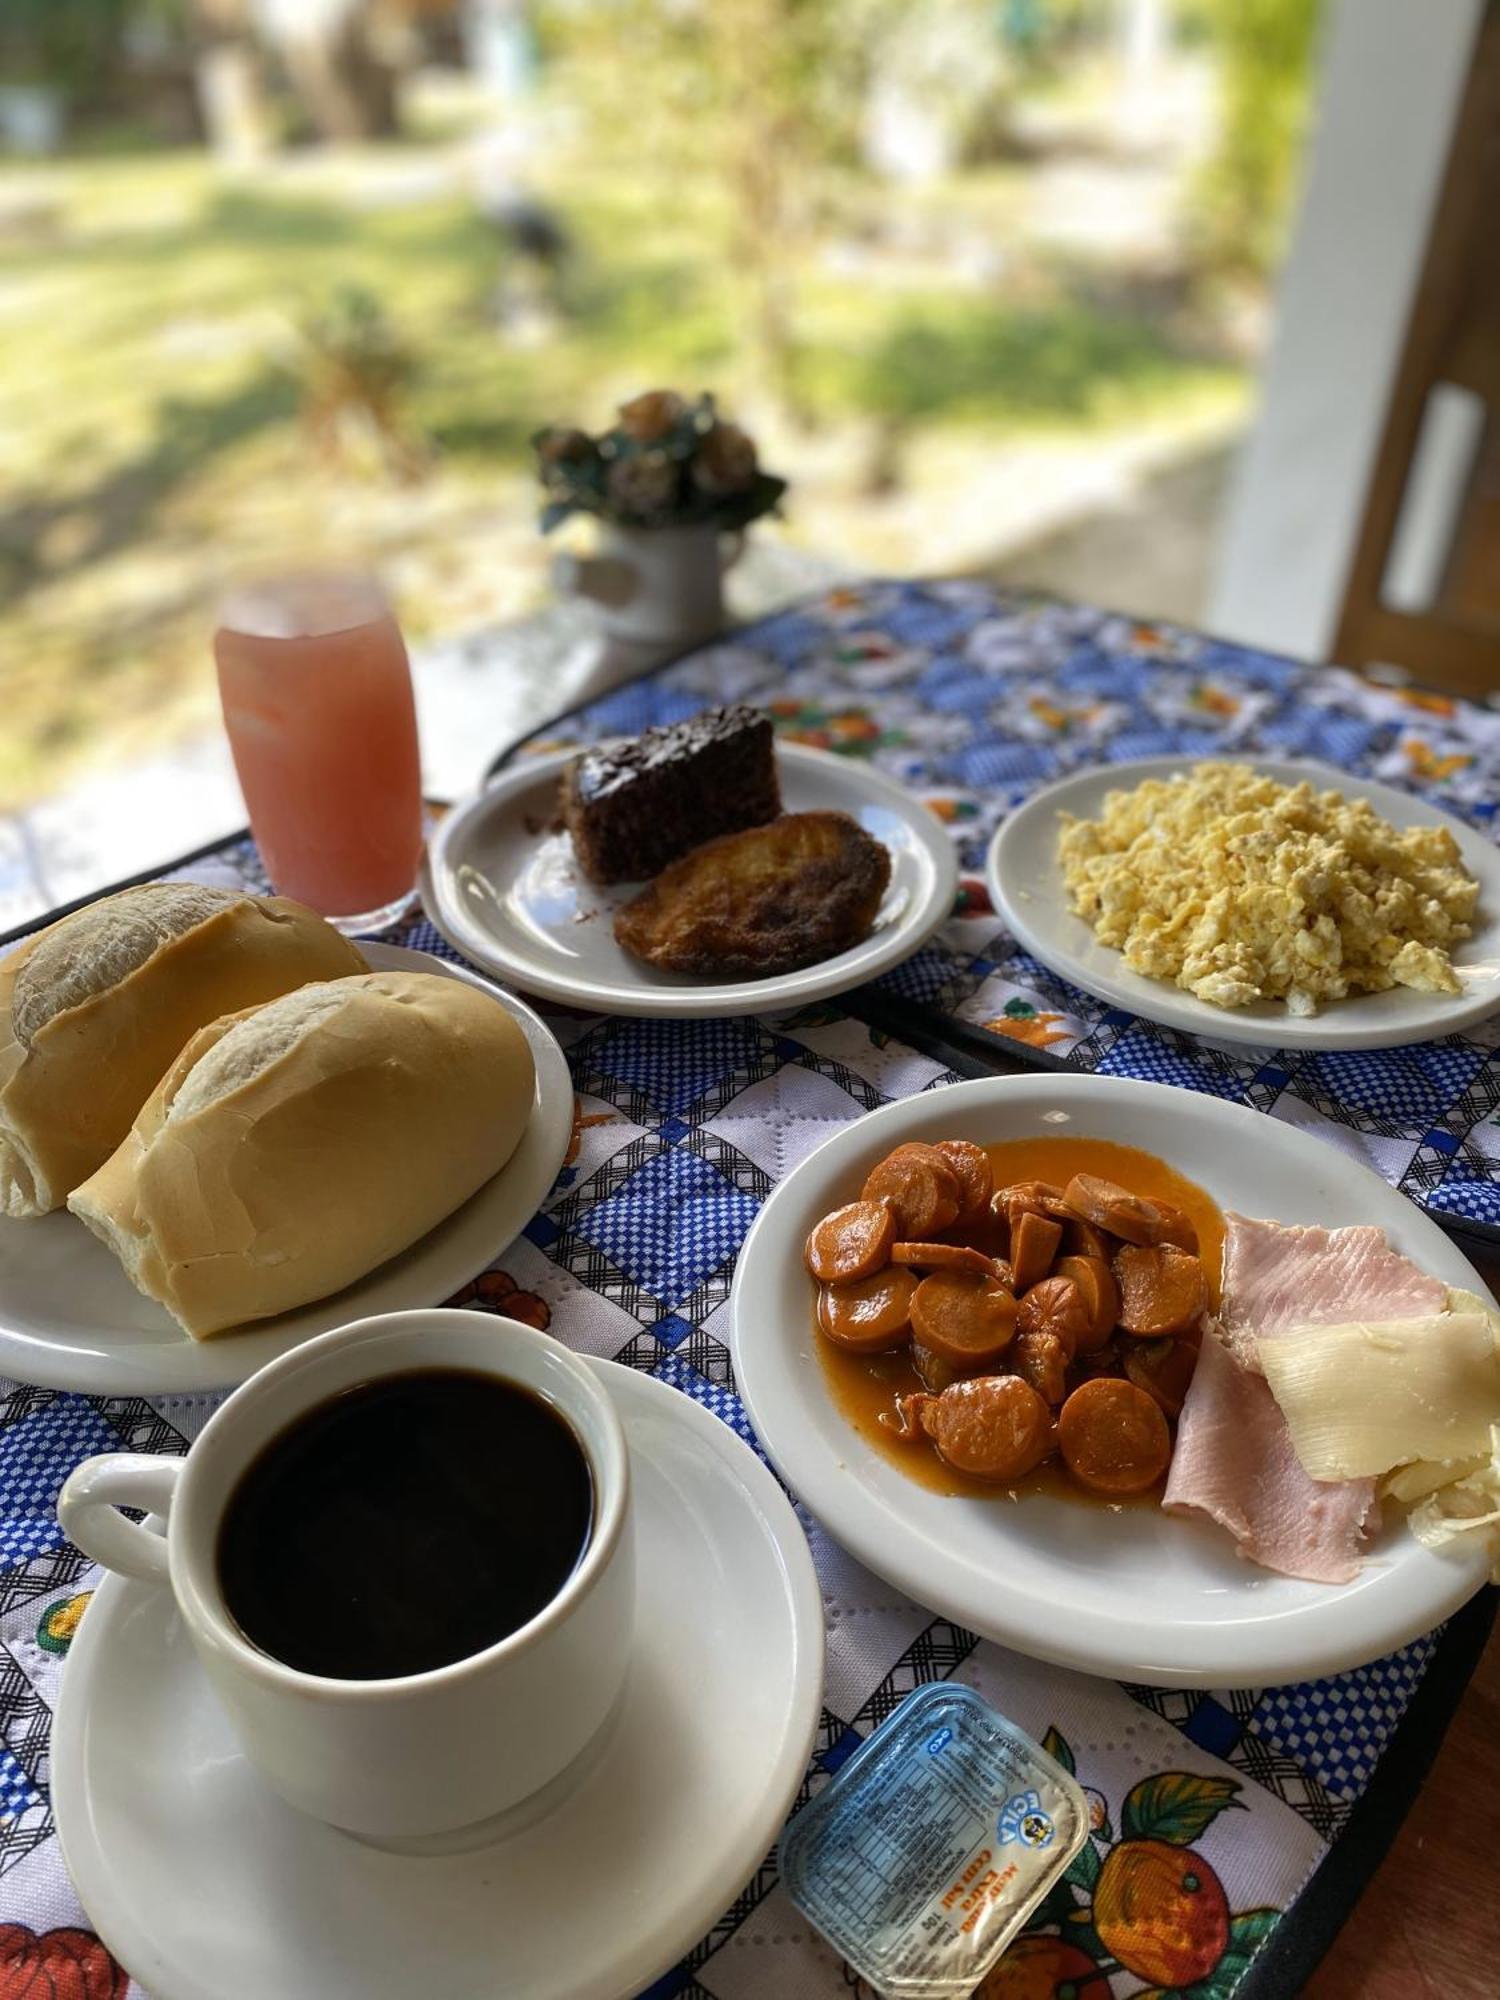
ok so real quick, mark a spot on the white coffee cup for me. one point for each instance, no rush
(430, 1752)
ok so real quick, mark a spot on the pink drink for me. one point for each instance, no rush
(316, 688)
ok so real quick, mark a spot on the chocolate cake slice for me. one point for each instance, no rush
(636, 806)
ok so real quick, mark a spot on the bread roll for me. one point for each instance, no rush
(293, 1147)
(93, 1009)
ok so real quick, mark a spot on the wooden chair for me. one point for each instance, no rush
(1446, 632)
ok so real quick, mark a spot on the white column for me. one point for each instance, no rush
(1393, 75)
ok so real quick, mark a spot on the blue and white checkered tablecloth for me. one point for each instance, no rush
(976, 698)
(683, 1129)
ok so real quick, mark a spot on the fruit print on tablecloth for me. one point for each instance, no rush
(851, 732)
(1140, 1912)
(1019, 1021)
(58, 1624)
(498, 1292)
(63, 1964)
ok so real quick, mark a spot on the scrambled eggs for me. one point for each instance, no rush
(1240, 889)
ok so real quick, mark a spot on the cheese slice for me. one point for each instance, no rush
(1471, 1302)
(1465, 1509)
(1362, 1398)
(1409, 1483)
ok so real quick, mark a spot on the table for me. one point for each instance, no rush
(939, 683)
(1427, 1926)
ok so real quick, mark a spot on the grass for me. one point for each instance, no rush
(149, 399)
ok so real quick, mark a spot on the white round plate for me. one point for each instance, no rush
(1026, 887)
(502, 886)
(1138, 1594)
(208, 1888)
(71, 1319)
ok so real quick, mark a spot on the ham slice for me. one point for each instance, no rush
(1234, 1461)
(1278, 1276)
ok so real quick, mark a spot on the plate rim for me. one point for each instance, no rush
(83, 1851)
(834, 1493)
(873, 956)
(189, 1366)
(1183, 1011)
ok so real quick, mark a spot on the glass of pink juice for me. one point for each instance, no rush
(317, 697)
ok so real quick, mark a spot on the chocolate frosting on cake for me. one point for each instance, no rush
(633, 807)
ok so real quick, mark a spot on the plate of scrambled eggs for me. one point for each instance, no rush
(1280, 904)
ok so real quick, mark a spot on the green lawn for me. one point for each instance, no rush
(149, 406)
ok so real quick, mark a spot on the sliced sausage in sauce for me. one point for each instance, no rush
(1033, 1244)
(966, 1321)
(992, 1427)
(1162, 1290)
(920, 1186)
(1041, 1359)
(1164, 1369)
(1032, 1198)
(1113, 1209)
(1113, 1437)
(870, 1315)
(1173, 1226)
(976, 1180)
(1105, 1360)
(944, 1257)
(1099, 1295)
(1134, 1218)
(934, 1374)
(1086, 1239)
(1055, 1307)
(852, 1242)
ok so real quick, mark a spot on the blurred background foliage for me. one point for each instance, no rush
(292, 278)
(1242, 198)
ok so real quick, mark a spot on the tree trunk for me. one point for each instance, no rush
(230, 78)
(344, 89)
(337, 64)
(762, 154)
(231, 86)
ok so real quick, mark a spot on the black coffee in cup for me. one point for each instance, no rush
(405, 1524)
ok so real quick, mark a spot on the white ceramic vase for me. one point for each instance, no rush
(661, 588)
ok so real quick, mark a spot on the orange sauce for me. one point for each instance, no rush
(866, 1385)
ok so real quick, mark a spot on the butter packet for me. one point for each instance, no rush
(930, 1848)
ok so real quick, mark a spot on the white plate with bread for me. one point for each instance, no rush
(224, 1129)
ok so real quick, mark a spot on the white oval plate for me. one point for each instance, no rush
(71, 1319)
(504, 889)
(1026, 887)
(643, 1850)
(1138, 1594)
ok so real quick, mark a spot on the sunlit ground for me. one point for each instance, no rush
(976, 366)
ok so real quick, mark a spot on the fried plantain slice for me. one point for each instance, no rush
(768, 900)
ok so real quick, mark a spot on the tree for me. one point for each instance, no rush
(337, 57)
(1265, 50)
(755, 92)
(230, 75)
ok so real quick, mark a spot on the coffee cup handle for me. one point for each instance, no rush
(89, 1503)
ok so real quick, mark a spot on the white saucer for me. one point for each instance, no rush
(71, 1319)
(209, 1888)
(503, 888)
(1025, 881)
